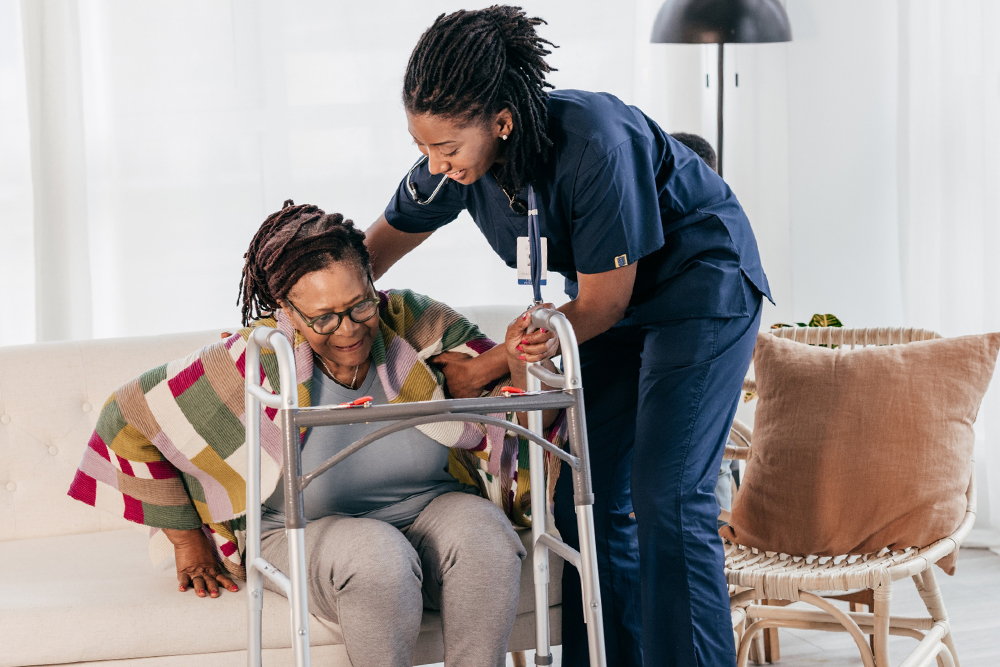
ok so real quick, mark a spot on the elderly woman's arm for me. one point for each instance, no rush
(197, 565)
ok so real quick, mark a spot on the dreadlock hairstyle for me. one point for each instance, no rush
(291, 243)
(470, 65)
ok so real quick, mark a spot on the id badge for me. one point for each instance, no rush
(524, 264)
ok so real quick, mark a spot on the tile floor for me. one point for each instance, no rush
(972, 598)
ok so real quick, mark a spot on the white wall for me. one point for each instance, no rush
(811, 152)
(200, 118)
(842, 112)
(204, 117)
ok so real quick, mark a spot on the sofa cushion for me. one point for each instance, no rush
(50, 397)
(90, 597)
(857, 450)
(104, 600)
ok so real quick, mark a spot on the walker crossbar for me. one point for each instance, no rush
(307, 478)
(407, 415)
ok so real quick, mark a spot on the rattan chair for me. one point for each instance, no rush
(758, 576)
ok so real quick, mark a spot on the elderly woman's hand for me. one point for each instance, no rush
(460, 373)
(197, 565)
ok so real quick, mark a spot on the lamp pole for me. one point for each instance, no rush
(721, 81)
(721, 22)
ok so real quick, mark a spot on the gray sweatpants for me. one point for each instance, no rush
(460, 556)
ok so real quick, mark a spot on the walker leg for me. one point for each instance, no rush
(255, 578)
(592, 613)
(255, 606)
(299, 601)
(540, 553)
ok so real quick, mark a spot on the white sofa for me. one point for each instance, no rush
(76, 584)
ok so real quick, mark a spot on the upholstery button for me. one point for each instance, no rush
(12, 487)
(87, 407)
(53, 450)
(5, 419)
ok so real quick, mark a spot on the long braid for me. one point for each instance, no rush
(470, 65)
(291, 243)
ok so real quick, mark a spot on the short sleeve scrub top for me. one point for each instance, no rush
(617, 190)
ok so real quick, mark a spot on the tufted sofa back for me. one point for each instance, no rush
(50, 397)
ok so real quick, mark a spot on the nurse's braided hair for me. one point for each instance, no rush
(471, 65)
(291, 243)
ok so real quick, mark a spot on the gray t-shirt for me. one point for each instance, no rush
(392, 479)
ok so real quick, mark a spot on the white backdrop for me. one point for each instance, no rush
(178, 126)
(949, 177)
(141, 144)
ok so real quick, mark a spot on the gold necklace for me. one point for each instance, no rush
(503, 189)
(334, 377)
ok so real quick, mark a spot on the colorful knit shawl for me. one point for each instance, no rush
(169, 448)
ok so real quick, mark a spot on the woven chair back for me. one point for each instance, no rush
(842, 336)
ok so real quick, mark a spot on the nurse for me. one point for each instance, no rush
(666, 285)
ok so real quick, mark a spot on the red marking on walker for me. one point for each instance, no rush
(358, 402)
(507, 391)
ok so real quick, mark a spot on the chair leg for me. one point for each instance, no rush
(880, 638)
(772, 650)
(519, 659)
(757, 649)
(869, 602)
(931, 596)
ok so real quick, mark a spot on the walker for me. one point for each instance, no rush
(568, 396)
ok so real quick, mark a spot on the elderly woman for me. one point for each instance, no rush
(398, 526)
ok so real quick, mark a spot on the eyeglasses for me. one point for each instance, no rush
(327, 323)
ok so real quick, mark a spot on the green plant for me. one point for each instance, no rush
(817, 320)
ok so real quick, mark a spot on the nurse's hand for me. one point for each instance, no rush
(527, 347)
(461, 374)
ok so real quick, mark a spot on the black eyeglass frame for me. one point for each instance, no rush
(340, 315)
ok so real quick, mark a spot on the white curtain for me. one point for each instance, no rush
(949, 179)
(144, 143)
(17, 268)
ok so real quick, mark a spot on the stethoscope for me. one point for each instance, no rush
(534, 231)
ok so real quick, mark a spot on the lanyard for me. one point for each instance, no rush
(534, 246)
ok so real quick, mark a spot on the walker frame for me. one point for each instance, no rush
(568, 395)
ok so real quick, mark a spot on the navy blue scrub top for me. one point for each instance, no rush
(616, 189)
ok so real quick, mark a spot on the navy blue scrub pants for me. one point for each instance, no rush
(660, 399)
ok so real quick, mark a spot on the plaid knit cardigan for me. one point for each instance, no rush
(169, 448)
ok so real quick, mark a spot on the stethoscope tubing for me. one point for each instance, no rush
(534, 232)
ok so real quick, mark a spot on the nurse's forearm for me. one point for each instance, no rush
(387, 245)
(590, 321)
(600, 302)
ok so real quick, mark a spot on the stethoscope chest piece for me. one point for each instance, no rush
(413, 188)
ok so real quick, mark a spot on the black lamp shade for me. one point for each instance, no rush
(721, 22)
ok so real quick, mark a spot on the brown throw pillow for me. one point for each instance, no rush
(857, 450)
